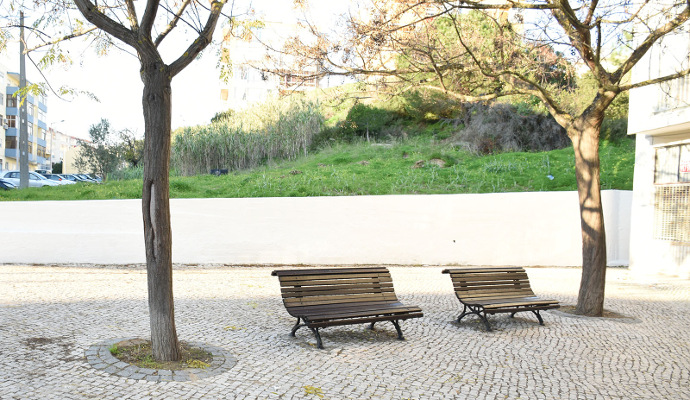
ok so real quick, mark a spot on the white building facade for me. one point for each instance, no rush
(659, 116)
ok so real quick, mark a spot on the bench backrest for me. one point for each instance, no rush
(490, 283)
(315, 287)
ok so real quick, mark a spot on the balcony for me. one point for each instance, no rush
(11, 153)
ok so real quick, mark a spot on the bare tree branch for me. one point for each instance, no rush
(172, 24)
(203, 40)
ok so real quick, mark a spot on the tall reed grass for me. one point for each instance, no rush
(279, 129)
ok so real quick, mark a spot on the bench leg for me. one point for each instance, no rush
(371, 326)
(477, 312)
(397, 328)
(464, 312)
(486, 321)
(536, 312)
(319, 343)
(296, 327)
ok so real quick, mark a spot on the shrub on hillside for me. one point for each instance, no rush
(426, 106)
(500, 128)
(368, 122)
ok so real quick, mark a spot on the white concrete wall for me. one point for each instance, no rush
(487, 229)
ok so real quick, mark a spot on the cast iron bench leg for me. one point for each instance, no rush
(295, 328)
(397, 328)
(372, 326)
(536, 312)
(319, 344)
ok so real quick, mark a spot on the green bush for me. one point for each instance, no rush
(369, 122)
(426, 106)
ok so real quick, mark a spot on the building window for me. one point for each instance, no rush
(672, 194)
(41, 115)
(41, 151)
(11, 101)
(11, 142)
(11, 121)
(30, 109)
(31, 148)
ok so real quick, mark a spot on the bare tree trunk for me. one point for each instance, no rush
(585, 137)
(156, 209)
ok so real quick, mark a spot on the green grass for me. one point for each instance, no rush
(364, 169)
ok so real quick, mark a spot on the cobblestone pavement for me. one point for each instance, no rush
(51, 315)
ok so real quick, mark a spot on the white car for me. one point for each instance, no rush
(35, 180)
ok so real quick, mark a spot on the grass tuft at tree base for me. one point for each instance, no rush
(138, 352)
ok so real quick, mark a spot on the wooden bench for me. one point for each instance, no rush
(319, 298)
(493, 290)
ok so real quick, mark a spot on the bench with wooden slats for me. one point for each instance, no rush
(319, 298)
(494, 290)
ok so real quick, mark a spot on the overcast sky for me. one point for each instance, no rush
(114, 80)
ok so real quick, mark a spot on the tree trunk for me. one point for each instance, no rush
(585, 137)
(156, 209)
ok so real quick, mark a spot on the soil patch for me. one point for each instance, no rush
(138, 352)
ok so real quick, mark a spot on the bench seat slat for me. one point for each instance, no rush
(471, 277)
(306, 290)
(334, 281)
(328, 271)
(482, 270)
(336, 299)
(490, 293)
(314, 279)
(365, 320)
(361, 313)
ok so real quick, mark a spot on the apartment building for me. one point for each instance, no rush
(39, 157)
(659, 117)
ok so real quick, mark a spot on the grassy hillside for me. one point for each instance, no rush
(404, 167)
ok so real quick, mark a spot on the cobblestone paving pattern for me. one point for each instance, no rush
(50, 316)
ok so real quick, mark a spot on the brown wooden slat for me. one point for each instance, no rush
(362, 313)
(322, 271)
(337, 286)
(297, 278)
(316, 309)
(490, 276)
(481, 270)
(289, 293)
(492, 293)
(333, 281)
(498, 287)
(366, 320)
(336, 299)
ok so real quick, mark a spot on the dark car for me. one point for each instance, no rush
(7, 185)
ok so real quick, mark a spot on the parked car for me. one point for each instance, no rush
(96, 178)
(59, 179)
(43, 172)
(35, 180)
(75, 178)
(7, 185)
(86, 178)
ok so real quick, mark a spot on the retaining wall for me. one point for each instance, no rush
(479, 229)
